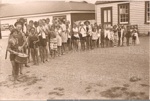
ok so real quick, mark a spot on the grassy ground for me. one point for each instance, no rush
(108, 73)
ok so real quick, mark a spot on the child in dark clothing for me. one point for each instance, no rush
(33, 44)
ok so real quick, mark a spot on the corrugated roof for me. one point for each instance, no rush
(105, 2)
(42, 7)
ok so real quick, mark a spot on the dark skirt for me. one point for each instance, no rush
(12, 57)
(134, 37)
(42, 42)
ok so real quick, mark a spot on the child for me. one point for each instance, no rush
(94, 37)
(135, 38)
(111, 37)
(59, 40)
(122, 35)
(33, 39)
(107, 36)
(13, 49)
(102, 36)
(119, 35)
(75, 37)
(53, 42)
(82, 31)
(115, 35)
(42, 41)
(63, 36)
(128, 35)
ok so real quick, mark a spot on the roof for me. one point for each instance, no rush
(106, 2)
(41, 7)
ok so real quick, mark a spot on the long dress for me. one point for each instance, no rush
(64, 35)
(53, 42)
(137, 41)
(59, 40)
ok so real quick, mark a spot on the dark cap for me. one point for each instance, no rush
(18, 23)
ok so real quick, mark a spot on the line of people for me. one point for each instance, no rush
(40, 38)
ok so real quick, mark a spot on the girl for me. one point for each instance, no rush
(94, 37)
(135, 38)
(99, 36)
(102, 36)
(88, 28)
(13, 49)
(63, 36)
(46, 30)
(122, 35)
(115, 35)
(107, 36)
(59, 40)
(82, 31)
(53, 42)
(42, 41)
(33, 45)
(75, 36)
(111, 37)
(119, 35)
(68, 28)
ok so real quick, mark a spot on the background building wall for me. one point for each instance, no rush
(82, 16)
(11, 21)
(137, 14)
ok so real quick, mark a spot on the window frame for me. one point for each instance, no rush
(119, 22)
(102, 16)
(146, 12)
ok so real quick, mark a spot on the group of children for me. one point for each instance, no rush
(40, 38)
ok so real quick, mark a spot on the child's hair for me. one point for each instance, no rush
(14, 30)
(94, 29)
(32, 28)
(18, 23)
(36, 23)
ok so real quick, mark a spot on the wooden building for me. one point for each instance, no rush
(71, 11)
(124, 12)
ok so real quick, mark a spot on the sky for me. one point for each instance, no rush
(23, 1)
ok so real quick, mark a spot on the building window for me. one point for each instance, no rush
(147, 12)
(61, 18)
(123, 13)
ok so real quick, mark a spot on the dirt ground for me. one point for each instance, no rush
(108, 73)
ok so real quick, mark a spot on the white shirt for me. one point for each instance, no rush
(75, 30)
(83, 31)
(41, 32)
(63, 26)
(107, 34)
(94, 35)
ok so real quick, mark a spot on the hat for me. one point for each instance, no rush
(87, 22)
(14, 30)
(18, 23)
(82, 23)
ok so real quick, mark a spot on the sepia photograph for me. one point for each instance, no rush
(74, 50)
